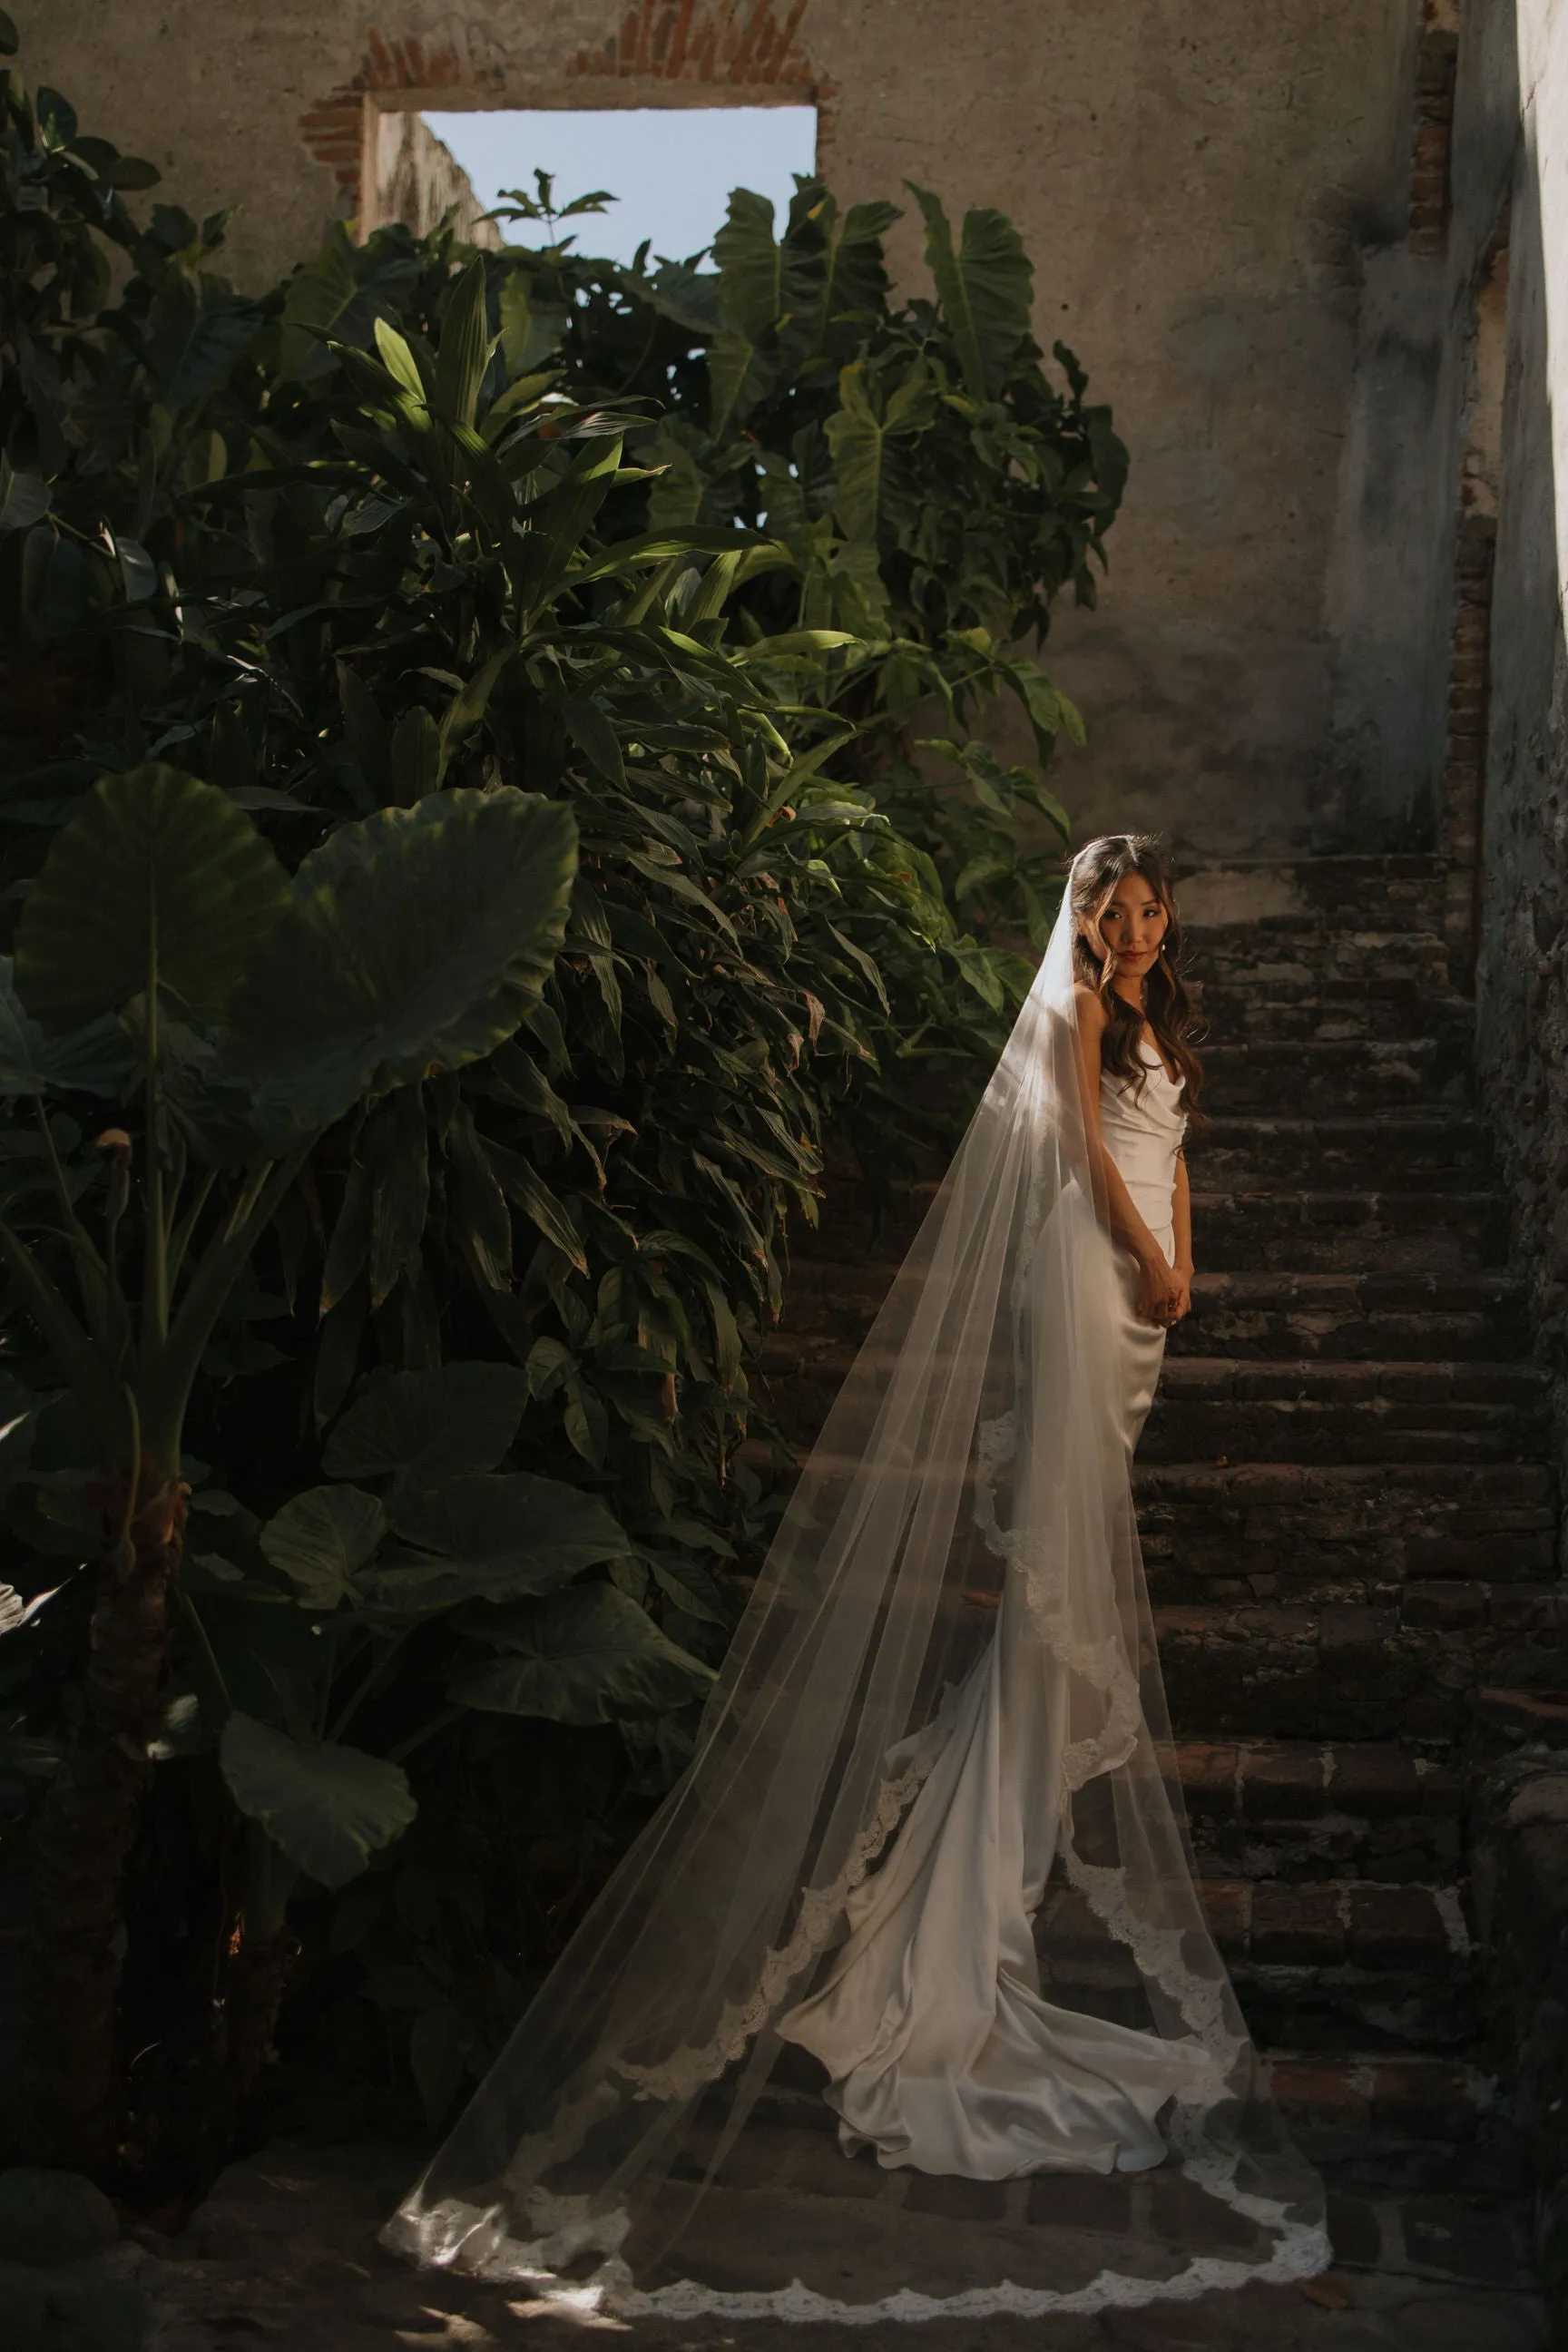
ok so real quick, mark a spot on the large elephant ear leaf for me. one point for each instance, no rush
(511, 1524)
(429, 1426)
(417, 941)
(770, 291)
(587, 1655)
(857, 273)
(321, 1539)
(158, 878)
(328, 1807)
(985, 289)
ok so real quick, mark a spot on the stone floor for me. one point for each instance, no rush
(284, 2252)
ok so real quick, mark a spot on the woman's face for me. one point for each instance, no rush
(1133, 925)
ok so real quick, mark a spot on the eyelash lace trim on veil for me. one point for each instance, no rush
(966, 1512)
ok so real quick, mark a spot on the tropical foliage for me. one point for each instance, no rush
(457, 1182)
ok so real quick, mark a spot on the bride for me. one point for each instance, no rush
(928, 1863)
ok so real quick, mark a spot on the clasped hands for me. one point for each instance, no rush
(1164, 1291)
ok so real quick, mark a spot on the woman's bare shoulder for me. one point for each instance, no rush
(1090, 1009)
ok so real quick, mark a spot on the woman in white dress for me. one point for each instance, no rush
(933, 1833)
(940, 2053)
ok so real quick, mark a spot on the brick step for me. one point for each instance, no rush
(1290, 1005)
(1348, 1316)
(1503, 1719)
(1336, 1079)
(1382, 2118)
(1268, 1530)
(1387, 1967)
(1421, 2120)
(1453, 1548)
(1228, 1411)
(1220, 1409)
(1314, 1967)
(1390, 1233)
(1398, 1153)
(1339, 1671)
(1462, 1316)
(1305, 1811)
(1304, 957)
(1393, 893)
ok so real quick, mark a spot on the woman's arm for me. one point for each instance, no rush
(1157, 1302)
(1182, 1219)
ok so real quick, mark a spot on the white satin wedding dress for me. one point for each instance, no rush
(943, 2054)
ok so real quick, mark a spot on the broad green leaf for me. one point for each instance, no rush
(793, 644)
(857, 436)
(478, 1219)
(531, 328)
(676, 498)
(468, 706)
(63, 583)
(523, 1185)
(319, 1540)
(414, 765)
(465, 348)
(399, 360)
(157, 877)
(197, 332)
(854, 277)
(750, 265)
(23, 497)
(369, 737)
(511, 1524)
(769, 294)
(418, 939)
(587, 1655)
(396, 1147)
(432, 1425)
(97, 1060)
(328, 1807)
(985, 290)
(692, 1588)
(316, 298)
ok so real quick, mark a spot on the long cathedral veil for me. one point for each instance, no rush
(639, 2142)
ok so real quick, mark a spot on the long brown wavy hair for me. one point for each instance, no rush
(1168, 1008)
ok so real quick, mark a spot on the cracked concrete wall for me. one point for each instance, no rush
(1198, 188)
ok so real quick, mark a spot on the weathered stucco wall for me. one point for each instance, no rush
(1199, 189)
(1523, 966)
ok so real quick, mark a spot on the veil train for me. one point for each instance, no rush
(930, 1847)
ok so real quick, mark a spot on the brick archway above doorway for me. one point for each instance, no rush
(658, 52)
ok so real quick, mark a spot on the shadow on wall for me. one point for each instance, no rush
(1520, 907)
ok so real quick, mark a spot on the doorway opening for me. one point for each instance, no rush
(667, 172)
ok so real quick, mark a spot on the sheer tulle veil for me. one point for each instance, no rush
(970, 1487)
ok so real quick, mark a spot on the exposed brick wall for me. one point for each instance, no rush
(334, 127)
(709, 45)
(1437, 65)
(1465, 763)
(736, 41)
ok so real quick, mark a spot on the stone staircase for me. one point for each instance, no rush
(1347, 1515)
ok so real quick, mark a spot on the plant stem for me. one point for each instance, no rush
(73, 2075)
(155, 1288)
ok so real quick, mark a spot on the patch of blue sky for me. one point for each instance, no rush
(670, 169)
